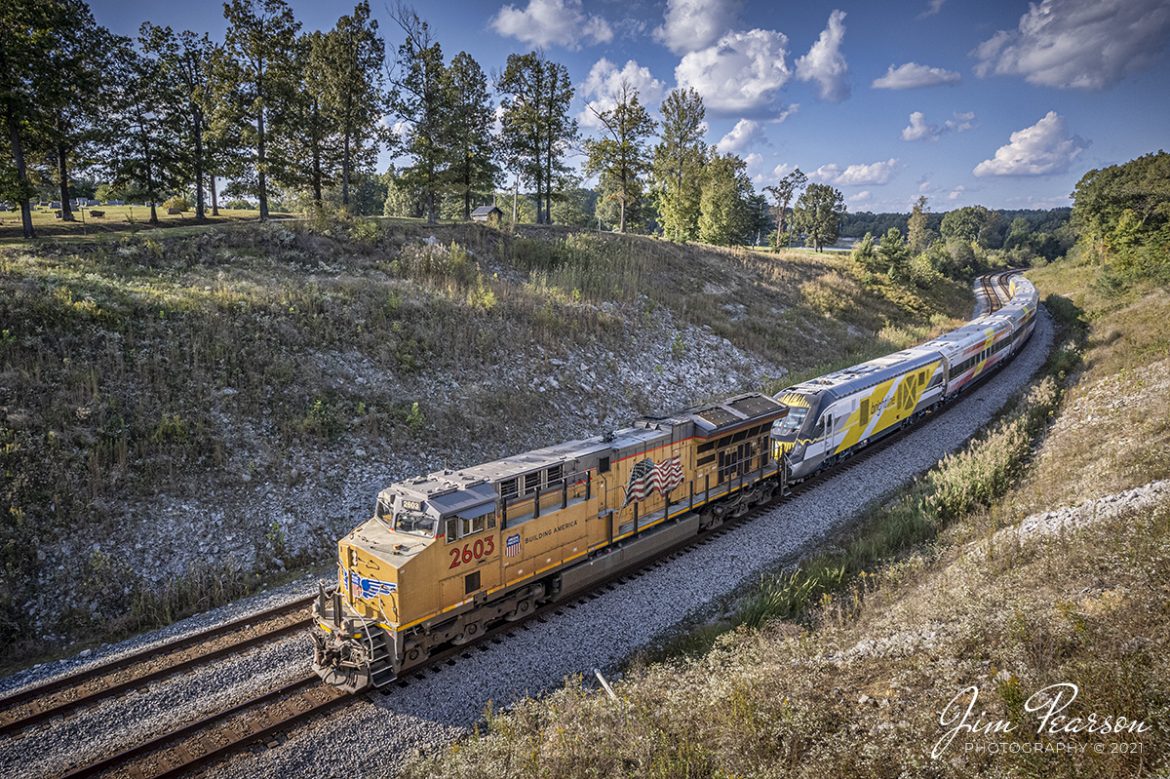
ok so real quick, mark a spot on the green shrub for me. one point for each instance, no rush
(178, 203)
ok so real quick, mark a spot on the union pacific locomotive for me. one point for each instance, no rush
(449, 555)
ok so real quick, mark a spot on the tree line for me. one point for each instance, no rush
(278, 113)
(1122, 216)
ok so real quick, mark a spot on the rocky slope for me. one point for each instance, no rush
(184, 418)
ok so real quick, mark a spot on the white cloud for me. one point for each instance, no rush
(920, 130)
(956, 193)
(785, 113)
(604, 82)
(933, 7)
(912, 76)
(860, 197)
(858, 174)
(690, 25)
(960, 122)
(1043, 148)
(782, 170)
(825, 64)
(745, 133)
(548, 22)
(1088, 44)
(740, 73)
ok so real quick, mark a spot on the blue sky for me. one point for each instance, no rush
(1002, 103)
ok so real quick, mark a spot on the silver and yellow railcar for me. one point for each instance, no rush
(845, 410)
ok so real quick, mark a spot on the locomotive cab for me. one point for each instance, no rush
(356, 628)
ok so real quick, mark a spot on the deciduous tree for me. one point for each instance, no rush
(724, 216)
(537, 128)
(470, 142)
(783, 192)
(352, 94)
(818, 214)
(256, 83)
(621, 156)
(185, 58)
(419, 98)
(678, 164)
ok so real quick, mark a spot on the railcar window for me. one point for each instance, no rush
(603, 465)
(385, 512)
(415, 523)
(452, 529)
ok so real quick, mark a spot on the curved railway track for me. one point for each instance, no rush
(266, 717)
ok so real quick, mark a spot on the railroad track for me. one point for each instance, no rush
(184, 749)
(137, 670)
(267, 716)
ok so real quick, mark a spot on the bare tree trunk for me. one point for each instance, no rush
(63, 178)
(21, 174)
(345, 158)
(200, 209)
(261, 164)
(317, 162)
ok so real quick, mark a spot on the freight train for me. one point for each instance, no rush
(448, 556)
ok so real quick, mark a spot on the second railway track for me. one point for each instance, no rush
(136, 670)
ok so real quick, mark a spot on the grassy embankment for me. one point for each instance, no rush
(844, 667)
(183, 362)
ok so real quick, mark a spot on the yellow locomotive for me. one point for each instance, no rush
(448, 555)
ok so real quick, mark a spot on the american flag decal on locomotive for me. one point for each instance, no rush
(366, 589)
(512, 545)
(646, 478)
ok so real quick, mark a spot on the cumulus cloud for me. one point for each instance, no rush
(859, 174)
(604, 82)
(782, 170)
(956, 193)
(690, 25)
(1039, 150)
(860, 197)
(920, 130)
(746, 132)
(739, 74)
(1086, 44)
(912, 76)
(825, 64)
(549, 22)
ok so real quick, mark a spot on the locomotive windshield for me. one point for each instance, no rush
(791, 423)
(415, 523)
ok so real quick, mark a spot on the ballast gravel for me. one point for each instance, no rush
(371, 736)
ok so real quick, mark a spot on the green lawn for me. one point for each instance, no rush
(115, 219)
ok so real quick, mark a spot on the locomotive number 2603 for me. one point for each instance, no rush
(481, 548)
